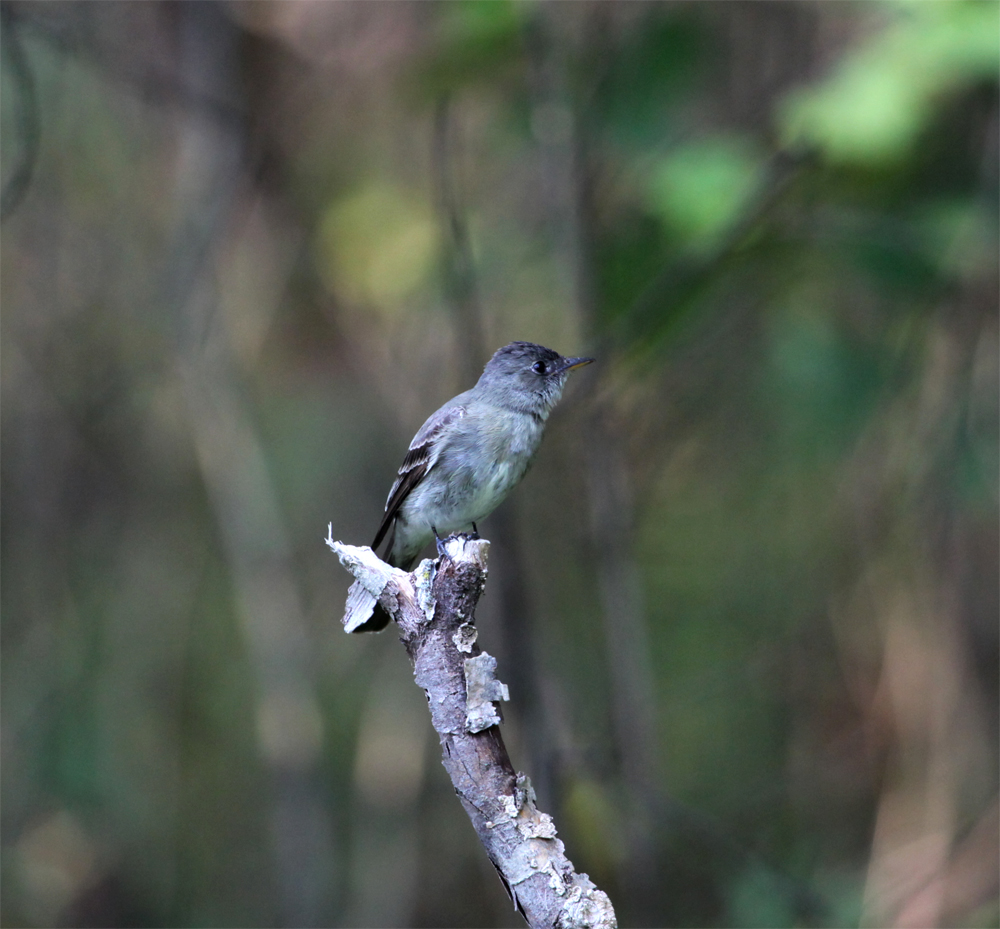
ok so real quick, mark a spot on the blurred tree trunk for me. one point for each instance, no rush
(605, 464)
(211, 185)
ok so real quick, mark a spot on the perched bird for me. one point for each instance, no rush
(469, 454)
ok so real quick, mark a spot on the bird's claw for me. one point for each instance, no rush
(468, 536)
(439, 542)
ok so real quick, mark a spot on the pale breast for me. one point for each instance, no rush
(481, 464)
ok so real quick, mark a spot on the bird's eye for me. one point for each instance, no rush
(538, 367)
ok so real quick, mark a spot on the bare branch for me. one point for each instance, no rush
(434, 609)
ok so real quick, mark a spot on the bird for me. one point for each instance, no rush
(471, 453)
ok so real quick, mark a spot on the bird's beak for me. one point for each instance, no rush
(567, 364)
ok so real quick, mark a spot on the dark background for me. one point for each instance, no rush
(746, 600)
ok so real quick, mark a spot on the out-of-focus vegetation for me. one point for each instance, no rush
(746, 600)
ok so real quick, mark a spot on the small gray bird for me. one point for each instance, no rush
(471, 453)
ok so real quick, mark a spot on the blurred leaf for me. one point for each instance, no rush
(701, 188)
(880, 97)
(377, 246)
(476, 41)
(959, 235)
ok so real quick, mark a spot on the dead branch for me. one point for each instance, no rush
(434, 610)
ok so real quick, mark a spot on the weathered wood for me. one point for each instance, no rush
(434, 610)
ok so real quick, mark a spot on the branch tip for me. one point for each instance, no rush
(463, 548)
(373, 577)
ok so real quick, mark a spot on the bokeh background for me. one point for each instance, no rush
(746, 600)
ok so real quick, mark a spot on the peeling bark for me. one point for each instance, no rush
(434, 610)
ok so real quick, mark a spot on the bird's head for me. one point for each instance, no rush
(528, 376)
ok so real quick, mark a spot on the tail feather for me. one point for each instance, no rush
(378, 622)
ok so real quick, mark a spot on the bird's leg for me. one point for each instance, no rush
(475, 531)
(438, 541)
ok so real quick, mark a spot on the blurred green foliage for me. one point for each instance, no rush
(747, 597)
(883, 95)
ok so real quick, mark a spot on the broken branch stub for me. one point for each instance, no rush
(434, 609)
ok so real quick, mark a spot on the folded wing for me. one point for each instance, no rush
(424, 452)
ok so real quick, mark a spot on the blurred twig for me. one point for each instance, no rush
(458, 271)
(26, 113)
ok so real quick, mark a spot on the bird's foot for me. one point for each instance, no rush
(438, 541)
(467, 536)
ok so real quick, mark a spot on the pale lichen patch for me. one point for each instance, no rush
(481, 689)
(586, 907)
